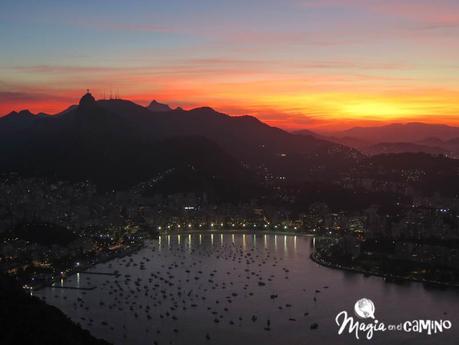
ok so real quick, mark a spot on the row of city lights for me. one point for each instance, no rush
(213, 225)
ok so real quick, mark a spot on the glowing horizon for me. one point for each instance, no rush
(319, 64)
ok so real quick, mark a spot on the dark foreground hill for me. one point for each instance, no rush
(27, 320)
(117, 143)
(430, 175)
(384, 148)
(93, 143)
(246, 138)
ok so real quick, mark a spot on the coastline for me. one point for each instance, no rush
(395, 278)
(135, 248)
(138, 246)
(98, 260)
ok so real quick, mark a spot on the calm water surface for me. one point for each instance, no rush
(240, 289)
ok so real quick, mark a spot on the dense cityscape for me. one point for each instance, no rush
(229, 172)
(51, 229)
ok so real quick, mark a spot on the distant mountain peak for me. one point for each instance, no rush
(25, 113)
(400, 132)
(207, 109)
(155, 106)
(248, 118)
(87, 100)
(305, 132)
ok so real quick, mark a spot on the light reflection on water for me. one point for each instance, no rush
(218, 279)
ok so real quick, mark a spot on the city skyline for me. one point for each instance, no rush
(296, 64)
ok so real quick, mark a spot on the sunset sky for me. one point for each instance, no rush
(320, 64)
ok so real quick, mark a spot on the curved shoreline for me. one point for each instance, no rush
(312, 256)
(99, 260)
(331, 265)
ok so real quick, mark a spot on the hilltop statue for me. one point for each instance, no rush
(87, 99)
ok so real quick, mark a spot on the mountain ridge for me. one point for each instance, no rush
(101, 128)
(400, 132)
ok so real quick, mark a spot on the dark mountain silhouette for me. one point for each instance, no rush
(397, 138)
(18, 125)
(69, 109)
(158, 107)
(451, 145)
(21, 119)
(117, 143)
(454, 141)
(431, 141)
(382, 148)
(358, 144)
(409, 132)
(307, 132)
(244, 137)
(91, 142)
(346, 141)
(426, 173)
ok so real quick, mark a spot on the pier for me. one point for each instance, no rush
(101, 273)
(73, 287)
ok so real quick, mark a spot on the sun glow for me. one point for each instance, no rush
(376, 109)
(376, 61)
